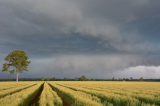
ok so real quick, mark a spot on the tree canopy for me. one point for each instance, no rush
(16, 61)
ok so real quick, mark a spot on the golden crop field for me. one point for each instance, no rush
(79, 93)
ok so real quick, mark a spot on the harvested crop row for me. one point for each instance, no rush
(14, 90)
(76, 98)
(22, 98)
(49, 97)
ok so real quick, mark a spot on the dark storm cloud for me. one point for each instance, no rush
(66, 32)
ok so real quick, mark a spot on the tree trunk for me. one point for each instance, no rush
(17, 76)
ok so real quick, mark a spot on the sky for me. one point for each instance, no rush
(95, 38)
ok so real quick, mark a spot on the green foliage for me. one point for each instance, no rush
(83, 78)
(16, 61)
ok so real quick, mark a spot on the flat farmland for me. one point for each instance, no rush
(79, 93)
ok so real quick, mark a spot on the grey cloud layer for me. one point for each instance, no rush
(106, 20)
(91, 65)
(47, 28)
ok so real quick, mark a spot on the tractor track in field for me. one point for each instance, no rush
(16, 91)
(35, 100)
(9, 88)
(65, 103)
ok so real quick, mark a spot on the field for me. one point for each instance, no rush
(61, 93)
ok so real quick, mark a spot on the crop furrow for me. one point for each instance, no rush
(15, 90)
(76, 98)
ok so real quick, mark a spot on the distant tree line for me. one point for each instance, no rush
(81, 78)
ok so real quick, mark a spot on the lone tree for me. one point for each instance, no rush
(16, 62)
